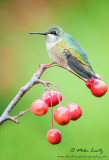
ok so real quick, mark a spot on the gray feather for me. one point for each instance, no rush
(75, 65)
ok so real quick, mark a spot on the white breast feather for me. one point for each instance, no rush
(50, 44)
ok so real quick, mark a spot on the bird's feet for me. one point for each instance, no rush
(51, 64)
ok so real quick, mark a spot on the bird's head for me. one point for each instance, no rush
(53, 34)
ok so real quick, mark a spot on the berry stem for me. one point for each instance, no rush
(56, 91)
(51, 109)
(50, 65)
(47, 87)
(59, 90)
(56, 87)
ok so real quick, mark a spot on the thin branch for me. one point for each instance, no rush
(34, 80)
(21, 113)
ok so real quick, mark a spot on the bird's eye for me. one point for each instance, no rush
(53, 32)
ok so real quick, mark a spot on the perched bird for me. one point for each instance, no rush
(66, 52)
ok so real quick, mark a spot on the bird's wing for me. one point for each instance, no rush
(80, 68)
(76, 50)
(77, 58)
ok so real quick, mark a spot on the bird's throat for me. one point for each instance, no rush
(51, 44)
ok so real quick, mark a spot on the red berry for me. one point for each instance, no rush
(39, 107)
(98, 88)
(54, 136)
(62, 115)
(90, 81)
(55, 98)
(75, 111)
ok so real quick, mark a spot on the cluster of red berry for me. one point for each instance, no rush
(97, 86)
(63, 115)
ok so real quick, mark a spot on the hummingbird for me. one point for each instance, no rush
(65, 51)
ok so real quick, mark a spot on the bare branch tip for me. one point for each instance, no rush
(14, 120)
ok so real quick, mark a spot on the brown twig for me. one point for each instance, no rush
(34, 80)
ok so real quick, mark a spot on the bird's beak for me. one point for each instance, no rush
(43, 33)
